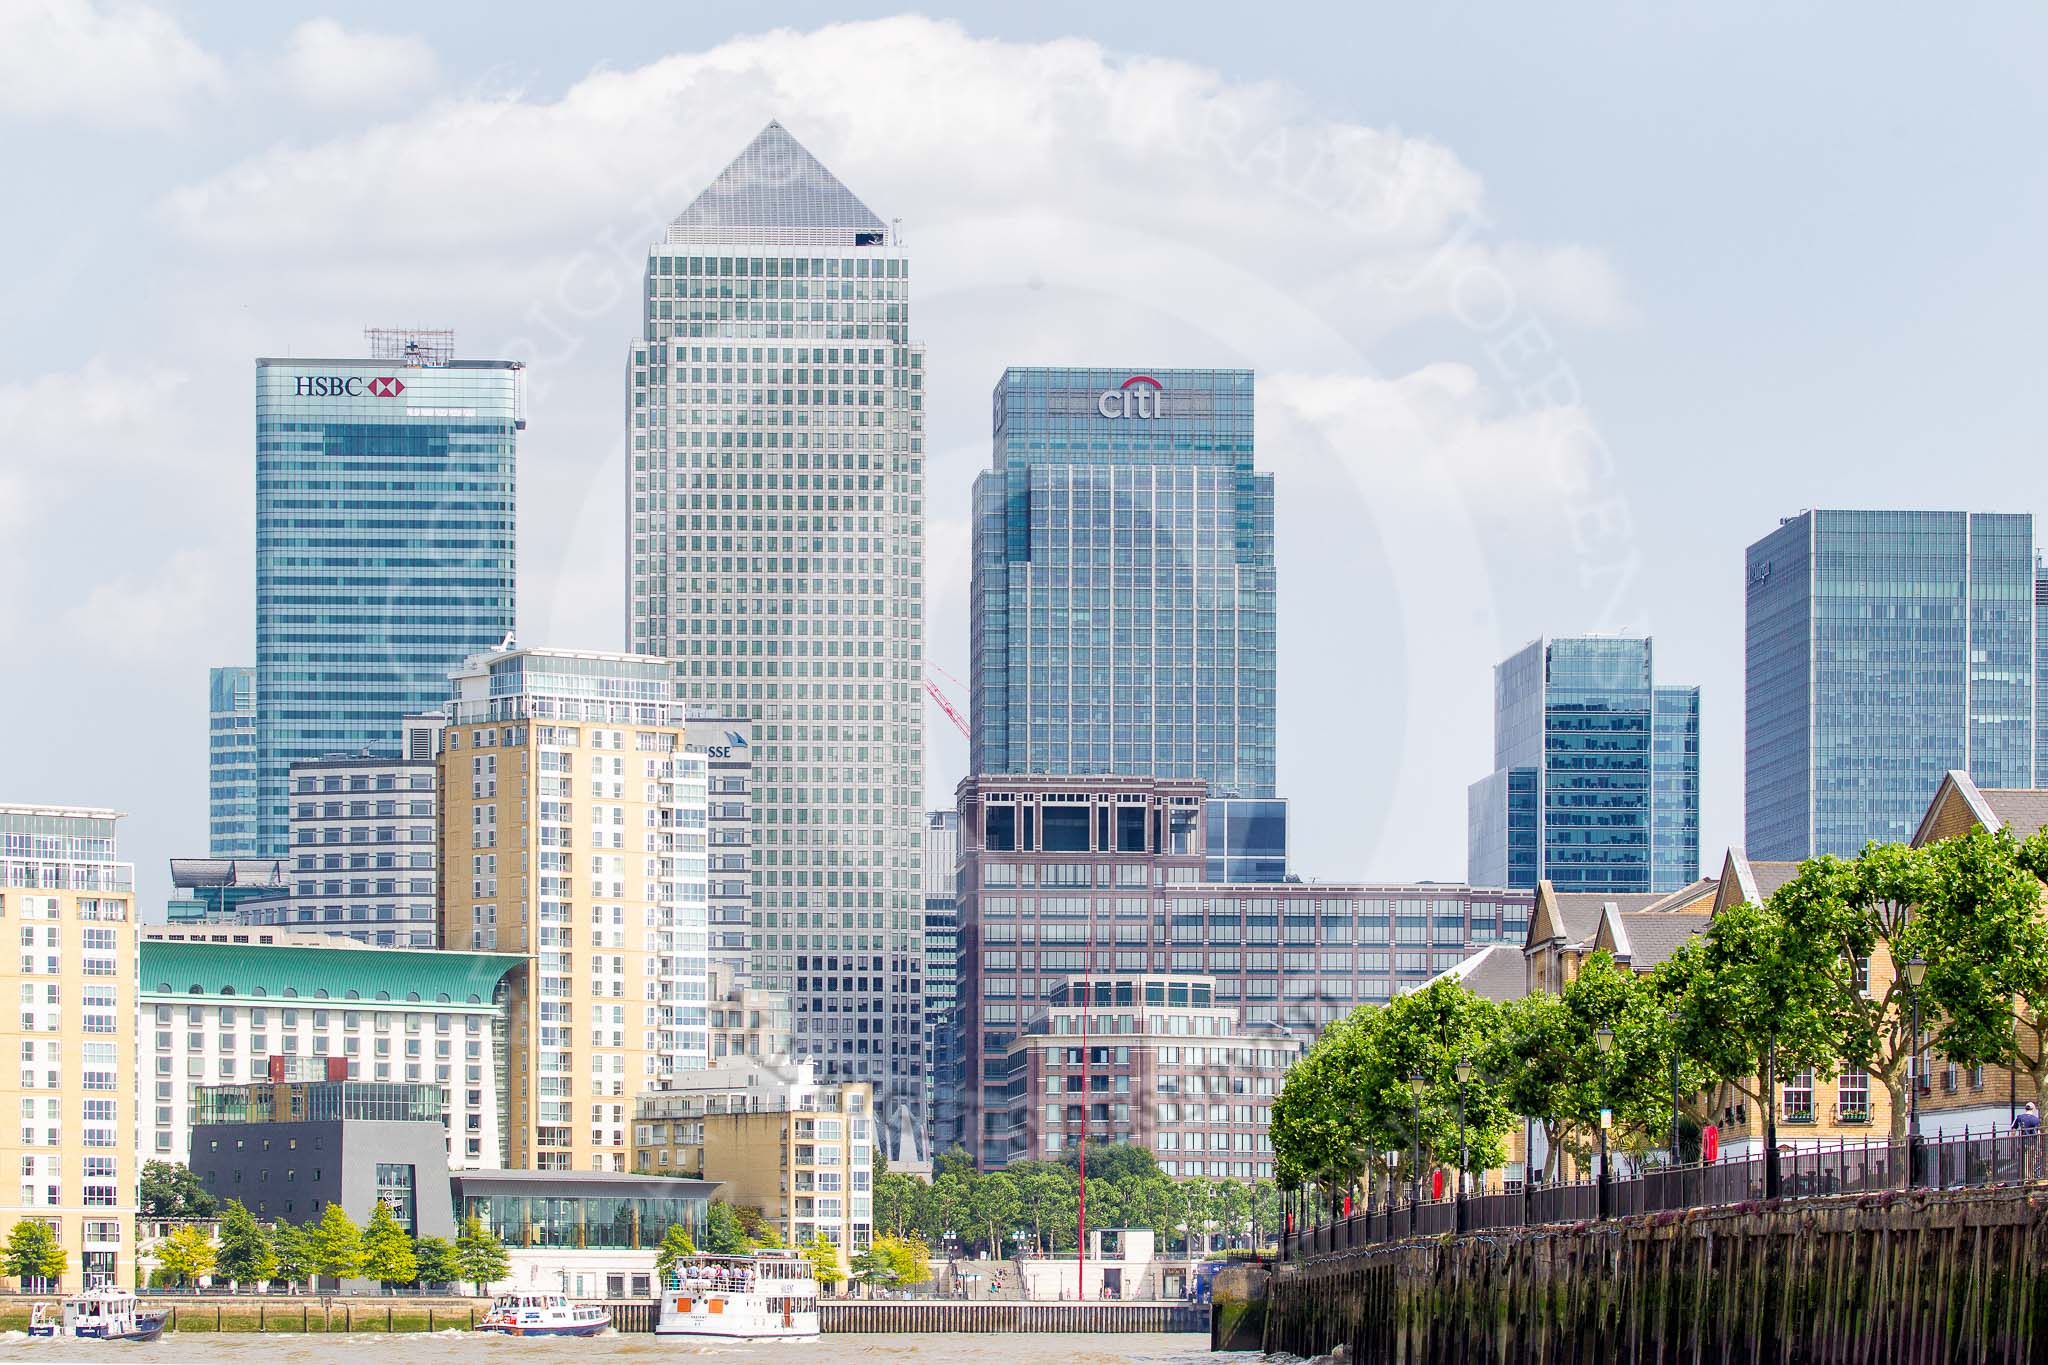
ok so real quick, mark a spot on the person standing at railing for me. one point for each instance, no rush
(2026, 1125)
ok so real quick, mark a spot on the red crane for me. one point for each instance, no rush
(946, 705)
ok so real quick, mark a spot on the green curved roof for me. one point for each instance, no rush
(371, 975)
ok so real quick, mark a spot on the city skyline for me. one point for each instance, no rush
(182, 391)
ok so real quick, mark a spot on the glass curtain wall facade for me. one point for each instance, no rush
(1884, 649)
(1123, 614)
(1596, 783)
(231, 762)
(384, 550)
(776, 513)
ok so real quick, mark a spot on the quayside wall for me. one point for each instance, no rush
(1906, 1278)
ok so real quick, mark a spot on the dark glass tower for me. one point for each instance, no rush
(1123, 592)
(1884, 649)
(1596, 783)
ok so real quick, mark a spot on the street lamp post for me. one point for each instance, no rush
(1603, 1039)
(1916, 976)
(1417, 1084)
(1674, 1089)
(1464, 1074)
(1772, 1179)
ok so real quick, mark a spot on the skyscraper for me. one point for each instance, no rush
(1884, 649)
(572, 828)
(776, 510)
(384, 545)
(1596, 772)
(1123, 589)
(231, 762)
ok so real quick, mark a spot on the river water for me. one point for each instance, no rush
(1179, 1348)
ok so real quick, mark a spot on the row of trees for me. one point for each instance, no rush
(250, 1252)
(1037, 1203)
(1781, 988)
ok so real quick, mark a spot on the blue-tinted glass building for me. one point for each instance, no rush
(231, 762)
(384, 550)
(1122, 613)
(1596, 777)
(1244, 839)
(1884, 649)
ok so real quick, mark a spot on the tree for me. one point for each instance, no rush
(953, 1161)
(435, 1257)
(185, 1257)
(908, 1258)
(480, 1255)
(245, 1255)
(824, 1259)
(723, 1235)
(1046, 1191)
(170, 1190)
(992, 1205)
(899, 1201)
(334, 1245)
(676, 1245)
(288, 1245)
(755, 1225)
(387, 1255)
(871, 1268)
(33, 1252)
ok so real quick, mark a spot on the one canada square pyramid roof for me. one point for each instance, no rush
(777, 189)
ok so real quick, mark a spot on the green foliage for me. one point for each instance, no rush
(246, 1255)
(953, 1161)
(32, 1250)
(759, 1231)
(908, 1258)
(723, 1235)
(480, 1255)
(334, 1245)
(387, 1255)
(824, 1259)
(436, 1259)
(676, 1245)
(288, 1245)
(185, 1257)
(170, 1190)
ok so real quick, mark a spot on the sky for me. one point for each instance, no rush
(1551, 314)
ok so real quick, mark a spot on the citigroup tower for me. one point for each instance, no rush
(1123, 590)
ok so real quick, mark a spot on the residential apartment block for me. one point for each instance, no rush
(73, 1034)
(573, 832)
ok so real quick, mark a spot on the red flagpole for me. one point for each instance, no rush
(1081, 1239)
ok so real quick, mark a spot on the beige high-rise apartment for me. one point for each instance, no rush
(72, 908)
(572, 830)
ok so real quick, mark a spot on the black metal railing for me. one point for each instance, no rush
(1955, 1161)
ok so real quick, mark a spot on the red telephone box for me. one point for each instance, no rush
(1710, 1143)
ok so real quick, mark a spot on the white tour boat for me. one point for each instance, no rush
(772, 1295)
(104, 1313)
(543, 1315)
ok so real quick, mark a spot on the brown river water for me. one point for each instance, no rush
(448, 1348)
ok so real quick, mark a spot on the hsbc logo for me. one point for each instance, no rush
(346, 386)
(1140, 396)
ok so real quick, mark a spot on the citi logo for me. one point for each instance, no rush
(1139, 396)
(346, 386)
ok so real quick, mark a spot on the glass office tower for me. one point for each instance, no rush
(384, 549)
(1884, 649)
(1122, 615)
(231, 762)
(1596, 779)
(775, 501)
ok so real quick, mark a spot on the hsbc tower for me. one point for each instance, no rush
(1123, 594)
(385, 518)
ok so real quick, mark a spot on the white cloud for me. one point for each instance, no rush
(115, 64)
(143, 617)
(328, 66)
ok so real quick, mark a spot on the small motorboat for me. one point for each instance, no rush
(41, 1323)
(106, 1313)
(543, 1315)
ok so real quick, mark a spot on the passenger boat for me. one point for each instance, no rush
(543, 1315)
(104, 1313)
(772, 1295)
